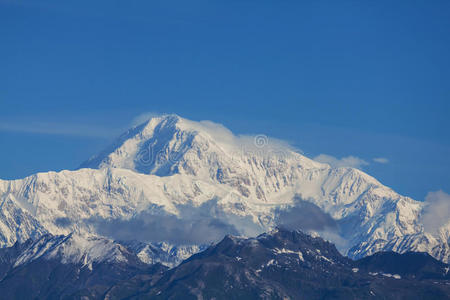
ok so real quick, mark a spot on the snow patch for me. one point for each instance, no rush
(396, 276)
(271, 262)
(287, 251)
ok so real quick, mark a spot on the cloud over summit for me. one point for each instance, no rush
(348, 161)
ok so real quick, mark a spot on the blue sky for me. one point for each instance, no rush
(368, 79)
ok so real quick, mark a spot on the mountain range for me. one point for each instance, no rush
(169, 188)
(281, 264)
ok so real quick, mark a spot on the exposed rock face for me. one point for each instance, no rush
(292, 265)
(280, 264)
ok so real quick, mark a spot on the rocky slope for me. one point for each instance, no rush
(281, 264)
(47, 269)
(291, 265)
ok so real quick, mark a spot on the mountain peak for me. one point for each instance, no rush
(166, 120)
(168, 144)
(141, 146)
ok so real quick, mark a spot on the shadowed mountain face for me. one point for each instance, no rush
(292, 265)
(48, 275)
(411, 265)
(281, 264)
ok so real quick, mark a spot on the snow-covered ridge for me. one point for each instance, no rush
(74, 249)
(87, 250)
(190, 183)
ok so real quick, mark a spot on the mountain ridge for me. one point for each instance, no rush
(286, 265)
(277, 264)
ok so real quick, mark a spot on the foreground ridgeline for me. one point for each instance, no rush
(280, 264)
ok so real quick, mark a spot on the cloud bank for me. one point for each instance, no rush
(170, 228)
(304, 216)
(437, 211)
(204, 225)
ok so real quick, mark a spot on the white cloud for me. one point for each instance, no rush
(437, 211)
(349, 161)
(257, 142)
(381, 160)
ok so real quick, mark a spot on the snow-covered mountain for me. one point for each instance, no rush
(177, 185)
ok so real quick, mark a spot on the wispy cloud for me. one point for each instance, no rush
(348, 161)
(81, 130)
(437, 211)
(141, 118)
(381, 160)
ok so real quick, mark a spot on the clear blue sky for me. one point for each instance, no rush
(364, 78)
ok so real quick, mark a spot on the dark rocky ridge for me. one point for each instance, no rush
(278, 265)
